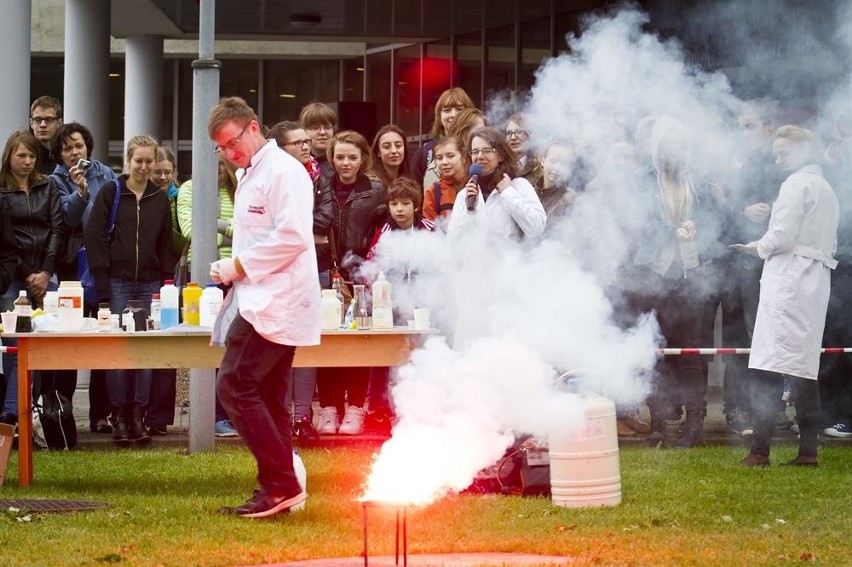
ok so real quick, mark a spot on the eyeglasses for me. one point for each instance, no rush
(233, 143)
(483, 151)
(516, 133)
(306, 142)
(49, 120)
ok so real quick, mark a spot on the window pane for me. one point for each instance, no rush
(500, 63)
(378, 84)
(535, 48)
(238, 77)
(437, 77)
(407, 93)
(353, 79)
(289, 85)
(469, 65)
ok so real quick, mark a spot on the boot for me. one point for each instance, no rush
(137, 428)
(119, 427)
(690, 433)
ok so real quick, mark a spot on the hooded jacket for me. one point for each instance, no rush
(36, 219)
(140, 250)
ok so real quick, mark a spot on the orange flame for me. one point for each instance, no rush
(418, 465)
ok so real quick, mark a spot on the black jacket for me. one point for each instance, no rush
(141, 247)
(8, 259)
(353, 223)
(36, 219)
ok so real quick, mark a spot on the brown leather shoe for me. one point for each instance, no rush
(637, 424)
(755, 460)
(802, 461)
(623, 430)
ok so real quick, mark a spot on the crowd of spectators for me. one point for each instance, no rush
(673, 255)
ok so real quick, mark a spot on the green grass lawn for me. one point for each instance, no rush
(687, 507)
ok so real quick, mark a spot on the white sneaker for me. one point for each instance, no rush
(353, 421)
(840, 430)
(327, 421)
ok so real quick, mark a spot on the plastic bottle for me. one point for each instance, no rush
(336, 285)
(25, 313)
(156, 308)
(210, 304)
(331, 310)
(51, 303)
(128, 320)
(382, 307)
(168, 305)
(70, 306)
(191, 303)
(104, 322)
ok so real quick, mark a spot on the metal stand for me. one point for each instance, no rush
(404, 508)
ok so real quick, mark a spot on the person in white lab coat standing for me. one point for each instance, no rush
(798, 252)
(277, 296)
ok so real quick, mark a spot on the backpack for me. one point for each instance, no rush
(54, 421)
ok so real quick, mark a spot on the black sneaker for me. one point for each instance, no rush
(9, 419)
(379, 421)
(263, 505)
(158, 430)
(304, 430)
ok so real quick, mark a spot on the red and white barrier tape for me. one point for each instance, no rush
(700, 351)
(9, 349)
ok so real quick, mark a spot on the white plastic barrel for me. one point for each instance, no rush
(584, 466)
(70, 306)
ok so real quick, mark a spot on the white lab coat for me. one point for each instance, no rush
(798, 251)
(273, 238)
(476, 237)
(515, 211)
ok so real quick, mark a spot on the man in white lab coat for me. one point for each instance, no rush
(276, 293)
(798, 250)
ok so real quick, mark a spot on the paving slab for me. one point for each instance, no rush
(440, 560)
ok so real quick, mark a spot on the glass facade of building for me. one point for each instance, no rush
(392, 83)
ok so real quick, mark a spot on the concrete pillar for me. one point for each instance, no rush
(205, 206)
(15, 66)
(86, 100)
(143, 86)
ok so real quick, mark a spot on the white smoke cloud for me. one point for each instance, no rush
(518, 315)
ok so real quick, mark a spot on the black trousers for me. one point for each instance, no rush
(767, 388)
(252, 387)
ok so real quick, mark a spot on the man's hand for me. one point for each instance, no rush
(757, 213)
(750, 248)
(226, 270)
(685, 230)
(37, 284)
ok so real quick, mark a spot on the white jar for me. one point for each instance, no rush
(331, 310)
(210, 304)
(70, 299)
(51, 303)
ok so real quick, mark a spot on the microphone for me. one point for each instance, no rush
(475, 171)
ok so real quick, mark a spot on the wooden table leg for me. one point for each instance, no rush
(25, 414)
